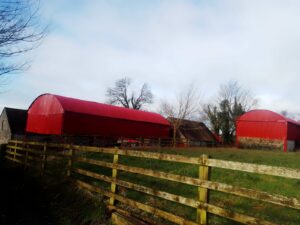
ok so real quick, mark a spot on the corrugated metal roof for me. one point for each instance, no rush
(54, 114)
(195, 130)
(106, 110)
(265, 115)
(99, 109)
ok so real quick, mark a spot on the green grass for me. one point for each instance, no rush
(287, 187)
(70, 205)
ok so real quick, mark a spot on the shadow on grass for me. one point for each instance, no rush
(31, 200)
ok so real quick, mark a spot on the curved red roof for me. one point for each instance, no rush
(266, 116)
(99, 109)
(54, 114)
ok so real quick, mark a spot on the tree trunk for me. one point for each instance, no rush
(174, 136)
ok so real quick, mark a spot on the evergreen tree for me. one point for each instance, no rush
(232, 102)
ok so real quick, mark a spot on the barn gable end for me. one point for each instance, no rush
(12, 124)
(267, 129)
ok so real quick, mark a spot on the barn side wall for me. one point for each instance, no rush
(293, 134)
(260, 143)
(5, 132)
(83, 124)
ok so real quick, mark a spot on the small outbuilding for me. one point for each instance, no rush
(194, 133)
(13, 124)
(267, 129)
(58, 115)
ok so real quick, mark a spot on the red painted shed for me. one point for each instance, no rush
(58, 115)
(267, 128)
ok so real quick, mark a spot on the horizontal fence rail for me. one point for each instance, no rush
(26, 153)
(245, 167)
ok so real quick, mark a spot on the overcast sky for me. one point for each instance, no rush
(167, 44)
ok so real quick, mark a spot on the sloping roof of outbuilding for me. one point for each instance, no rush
(16, 120)
(195, 130)
(103, 110)
(266, 116)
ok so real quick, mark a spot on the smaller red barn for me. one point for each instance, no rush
(58, 115)
(267, 129)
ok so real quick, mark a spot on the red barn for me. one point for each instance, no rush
(58, 115)
(264, 128)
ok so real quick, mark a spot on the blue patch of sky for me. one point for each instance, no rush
(56, 10)
(133, 14)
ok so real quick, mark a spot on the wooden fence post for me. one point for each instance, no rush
(26, 158)
(70, 162)
(15, 150)
(44, 158)
(114, 176)
(203, 192)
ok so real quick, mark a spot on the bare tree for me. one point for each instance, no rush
(120, 94)
(284, 113)
(231, 102)
(186, 106)
(19, 32)
(234, 92)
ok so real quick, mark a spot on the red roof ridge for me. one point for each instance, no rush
(275, 113)
(101, 109)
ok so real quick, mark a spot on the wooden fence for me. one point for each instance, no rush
(26, 153)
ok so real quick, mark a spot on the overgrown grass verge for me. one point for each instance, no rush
(70, 205)
(29, 199)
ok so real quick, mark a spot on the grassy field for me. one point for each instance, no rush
(276, 214)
